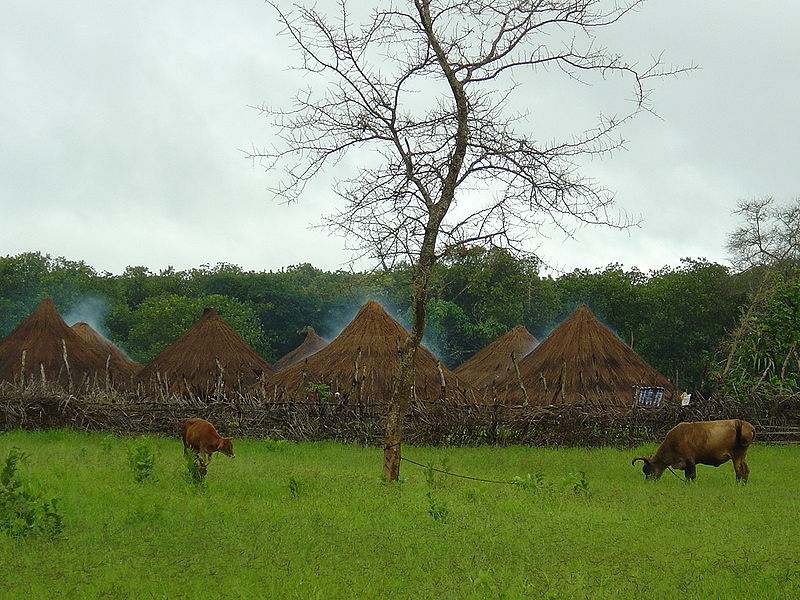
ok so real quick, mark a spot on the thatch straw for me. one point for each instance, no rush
(361, 363)
(106, 348)
(494, 362)
(311, 344)
(582, 362)
(207, 359)
(44, 347)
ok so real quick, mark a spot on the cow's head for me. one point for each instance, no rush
(226, 446)
(651, 469)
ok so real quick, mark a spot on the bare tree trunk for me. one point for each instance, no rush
(400, 400)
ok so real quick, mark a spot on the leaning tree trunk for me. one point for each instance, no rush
(400, 400)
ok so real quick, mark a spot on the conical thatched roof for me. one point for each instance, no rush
(207, 358)
(311, 344)
(106, 348)
(43, 338)
(362, 362)
(492, 363)
(582, 362)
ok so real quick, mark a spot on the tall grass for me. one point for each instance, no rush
(314, 520)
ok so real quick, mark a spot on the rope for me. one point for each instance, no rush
(448, 472)
(456, 474)
(674, 473)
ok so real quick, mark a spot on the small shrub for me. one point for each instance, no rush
(23, 512)
(438, 510)
(194, 473)
(577, 483)
(141, 457)
(271, 445)
(433, 477)
(322, 390)
(294, 486)
(533, 482)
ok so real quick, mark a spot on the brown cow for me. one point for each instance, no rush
(704, 443)
(202, 438)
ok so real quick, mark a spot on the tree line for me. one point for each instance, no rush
(678, 318)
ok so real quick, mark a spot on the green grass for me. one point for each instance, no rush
(314, 520)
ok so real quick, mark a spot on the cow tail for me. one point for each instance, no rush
(741, 441)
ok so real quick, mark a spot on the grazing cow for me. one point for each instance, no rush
(202, 438)
(704, 443)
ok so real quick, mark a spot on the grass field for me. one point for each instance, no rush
(314, 520)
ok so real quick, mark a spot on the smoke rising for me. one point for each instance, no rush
(92, 310)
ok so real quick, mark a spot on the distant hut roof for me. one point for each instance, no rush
(206, 355)
(311, 344)
(362, 362)
(493, 362)
(92, 337)
(582, 362)
(43, 338)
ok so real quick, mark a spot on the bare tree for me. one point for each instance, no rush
(769, 235)
(422, 93)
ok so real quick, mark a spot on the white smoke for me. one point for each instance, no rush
(91, 310)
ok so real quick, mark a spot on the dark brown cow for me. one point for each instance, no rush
(202, 439)
(702, 443)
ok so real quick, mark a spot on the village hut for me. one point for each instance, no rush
(107, 349)
(494, 362)
(582, 362)
(311, 344)
(208, 359)
(44, 347)
(360, 365)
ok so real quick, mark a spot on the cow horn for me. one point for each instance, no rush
(643, 458)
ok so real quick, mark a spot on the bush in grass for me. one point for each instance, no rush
(23, 512)
(141, 457)
(271, 445)
(436, 472)
(294, 486)
(577, 483)
(438, 510)
(532, 481)
(195, 474)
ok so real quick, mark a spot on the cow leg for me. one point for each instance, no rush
(742, 470)
(690, 471)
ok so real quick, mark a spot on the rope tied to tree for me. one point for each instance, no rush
(456, 474)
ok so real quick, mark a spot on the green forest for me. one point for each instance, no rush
(692, 322)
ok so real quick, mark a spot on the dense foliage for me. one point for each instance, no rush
(674, 317)
(761, 357)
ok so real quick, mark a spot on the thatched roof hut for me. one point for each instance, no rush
(493, 362)
(360, 366)
(311, 344)
(208, 358)
(582, 362)
(44, 346)
(92, 337)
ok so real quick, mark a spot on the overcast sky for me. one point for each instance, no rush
(122, 127)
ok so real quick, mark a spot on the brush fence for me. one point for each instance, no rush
(428, 423)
